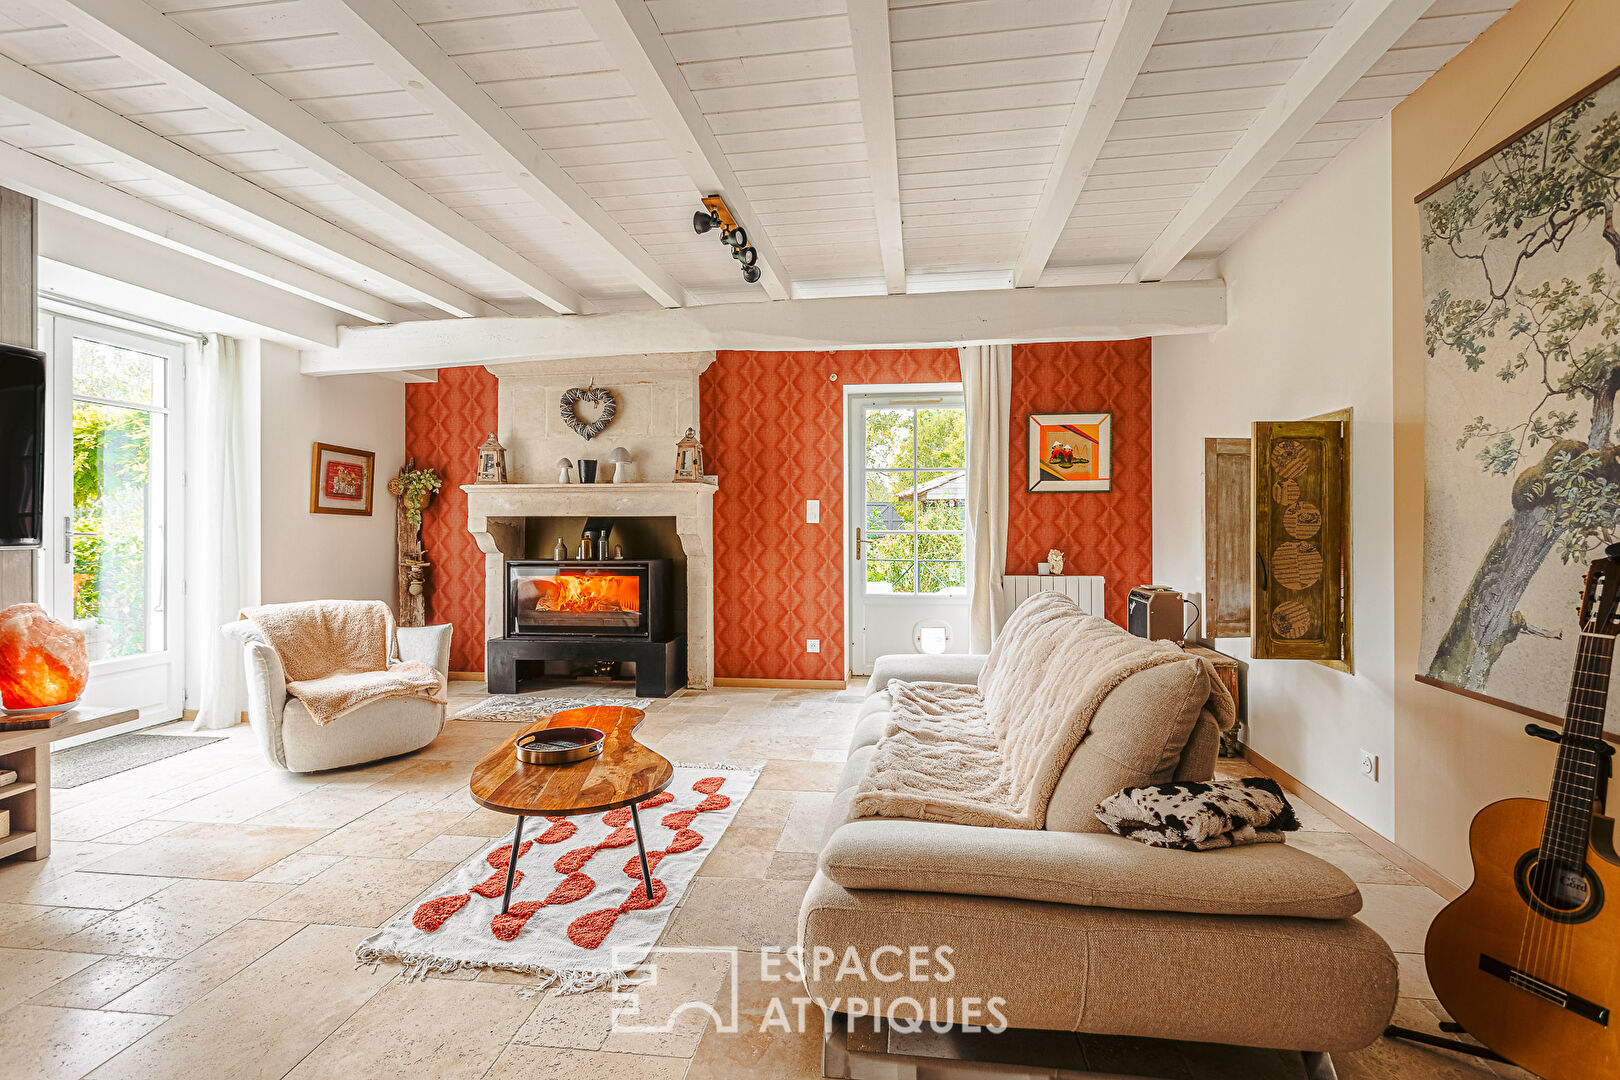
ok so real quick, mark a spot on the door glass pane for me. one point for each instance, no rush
(941, 438)
(947, 546)
(112, 474)
(890, 500)
(942, 500)
(941, 577)
(889, 439)
(107, 371)
(890, 577)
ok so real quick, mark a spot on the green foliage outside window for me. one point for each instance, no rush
(915, 499)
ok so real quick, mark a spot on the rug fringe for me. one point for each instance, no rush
(419, 966)
(718, 766)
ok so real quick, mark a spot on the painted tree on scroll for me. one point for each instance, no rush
(1533, 228)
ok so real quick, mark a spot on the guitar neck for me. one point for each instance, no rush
(1578, 775)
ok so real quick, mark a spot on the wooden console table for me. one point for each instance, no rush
(28, 754)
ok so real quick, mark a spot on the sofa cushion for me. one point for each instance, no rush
(1086, 869)
(925, 667)
(869, 729)
(1136, 737)
(855, 767)
(1298, 984)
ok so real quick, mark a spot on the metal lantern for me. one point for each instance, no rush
(491, 461)
(689, 459)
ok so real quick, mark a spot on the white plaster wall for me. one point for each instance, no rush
(305, 556)
(1310, 332)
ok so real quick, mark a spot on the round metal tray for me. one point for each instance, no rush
(559, 746)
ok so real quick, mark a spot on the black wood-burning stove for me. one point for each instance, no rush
(590, 609)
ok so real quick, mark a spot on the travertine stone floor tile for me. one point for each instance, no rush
(1362, 863)
(451, 848)
(29, 972)
(757, 1049)
(1396, 1059)
(323, 808)
(434, 1029)
(296, 868)
(806, 822)
(194, 975)
(357, 891)
(262, 1021)
(208, 850)
(85, 889)
(47, 931)
(1414, 976)
(572, 1021)
(792, 866)
(99, 983)
(387, 832)
(664, 1002)
(737, 912)
(763, 809)
(799, 775)
(486, 823)
(531, 1062)
(741, 853)
(92, 820)
(64, 1044)
(14, 915)
(243, 801)
(140, 832)
(176, 920)
(66, 857)
(1401, 913)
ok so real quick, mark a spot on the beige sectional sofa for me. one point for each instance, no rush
(1076, 929)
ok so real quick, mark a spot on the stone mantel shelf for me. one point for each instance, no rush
(709, 486)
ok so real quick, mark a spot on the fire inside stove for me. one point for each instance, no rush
(594, 600)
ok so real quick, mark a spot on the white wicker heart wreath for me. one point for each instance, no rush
(570, 410)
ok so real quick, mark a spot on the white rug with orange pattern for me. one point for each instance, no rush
(579, 915)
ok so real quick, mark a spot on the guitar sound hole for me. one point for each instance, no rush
(1560, 893)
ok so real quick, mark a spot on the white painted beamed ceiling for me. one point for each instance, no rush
(439, 158)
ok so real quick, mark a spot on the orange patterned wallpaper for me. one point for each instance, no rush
(1107, 533)
(773, 431)
(444, 424)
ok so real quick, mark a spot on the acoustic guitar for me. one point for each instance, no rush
(1528, 959)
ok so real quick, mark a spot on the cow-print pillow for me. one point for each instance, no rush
(1201, 816)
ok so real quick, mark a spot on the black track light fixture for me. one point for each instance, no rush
(715, 214)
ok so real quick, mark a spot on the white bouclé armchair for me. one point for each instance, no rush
(292, 741)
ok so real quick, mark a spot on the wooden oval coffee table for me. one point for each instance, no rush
(623, 774)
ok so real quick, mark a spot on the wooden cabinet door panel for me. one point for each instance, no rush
(1297, 592)
(1227, 554)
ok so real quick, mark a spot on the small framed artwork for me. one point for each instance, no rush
(340, 480)
(1071, 451)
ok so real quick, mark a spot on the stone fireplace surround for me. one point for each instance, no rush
(657, 395)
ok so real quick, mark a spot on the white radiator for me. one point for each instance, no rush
(1087, 591)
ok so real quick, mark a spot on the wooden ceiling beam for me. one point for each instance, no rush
(393, 41)
(1356, 41)
(1127, 35)
(874, 81)
(631, 36)
(157, 44)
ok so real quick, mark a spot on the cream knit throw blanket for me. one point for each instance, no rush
(992, 754)
(337, 655)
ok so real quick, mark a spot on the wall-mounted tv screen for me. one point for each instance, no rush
(22, 447)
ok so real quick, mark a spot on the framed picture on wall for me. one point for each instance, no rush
(340, 480)
(1071, 451)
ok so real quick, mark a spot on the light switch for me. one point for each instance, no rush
(812, 511)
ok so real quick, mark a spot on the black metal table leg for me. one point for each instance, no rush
(511, 864)
(641, 849)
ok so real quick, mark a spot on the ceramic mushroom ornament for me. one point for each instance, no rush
(564, 467)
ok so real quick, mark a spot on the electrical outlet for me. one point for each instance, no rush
(1369, 765)
(812, 511)
(812, 645)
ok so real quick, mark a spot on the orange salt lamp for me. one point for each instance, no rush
(42, 661)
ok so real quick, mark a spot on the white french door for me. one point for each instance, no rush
(907, 492)
(114, 551)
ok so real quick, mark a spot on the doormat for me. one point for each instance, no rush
(580, 916)
(527, 708)
(80, 765)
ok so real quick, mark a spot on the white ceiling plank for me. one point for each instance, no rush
(1355, 43)
(1127, 35)
(912, 320)
(393, 41)
(149, 39)
(874, 78)
(60, 186)
(129, 143)
(631, 37)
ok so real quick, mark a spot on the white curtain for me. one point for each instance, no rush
(987, 389)
(220, 575)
